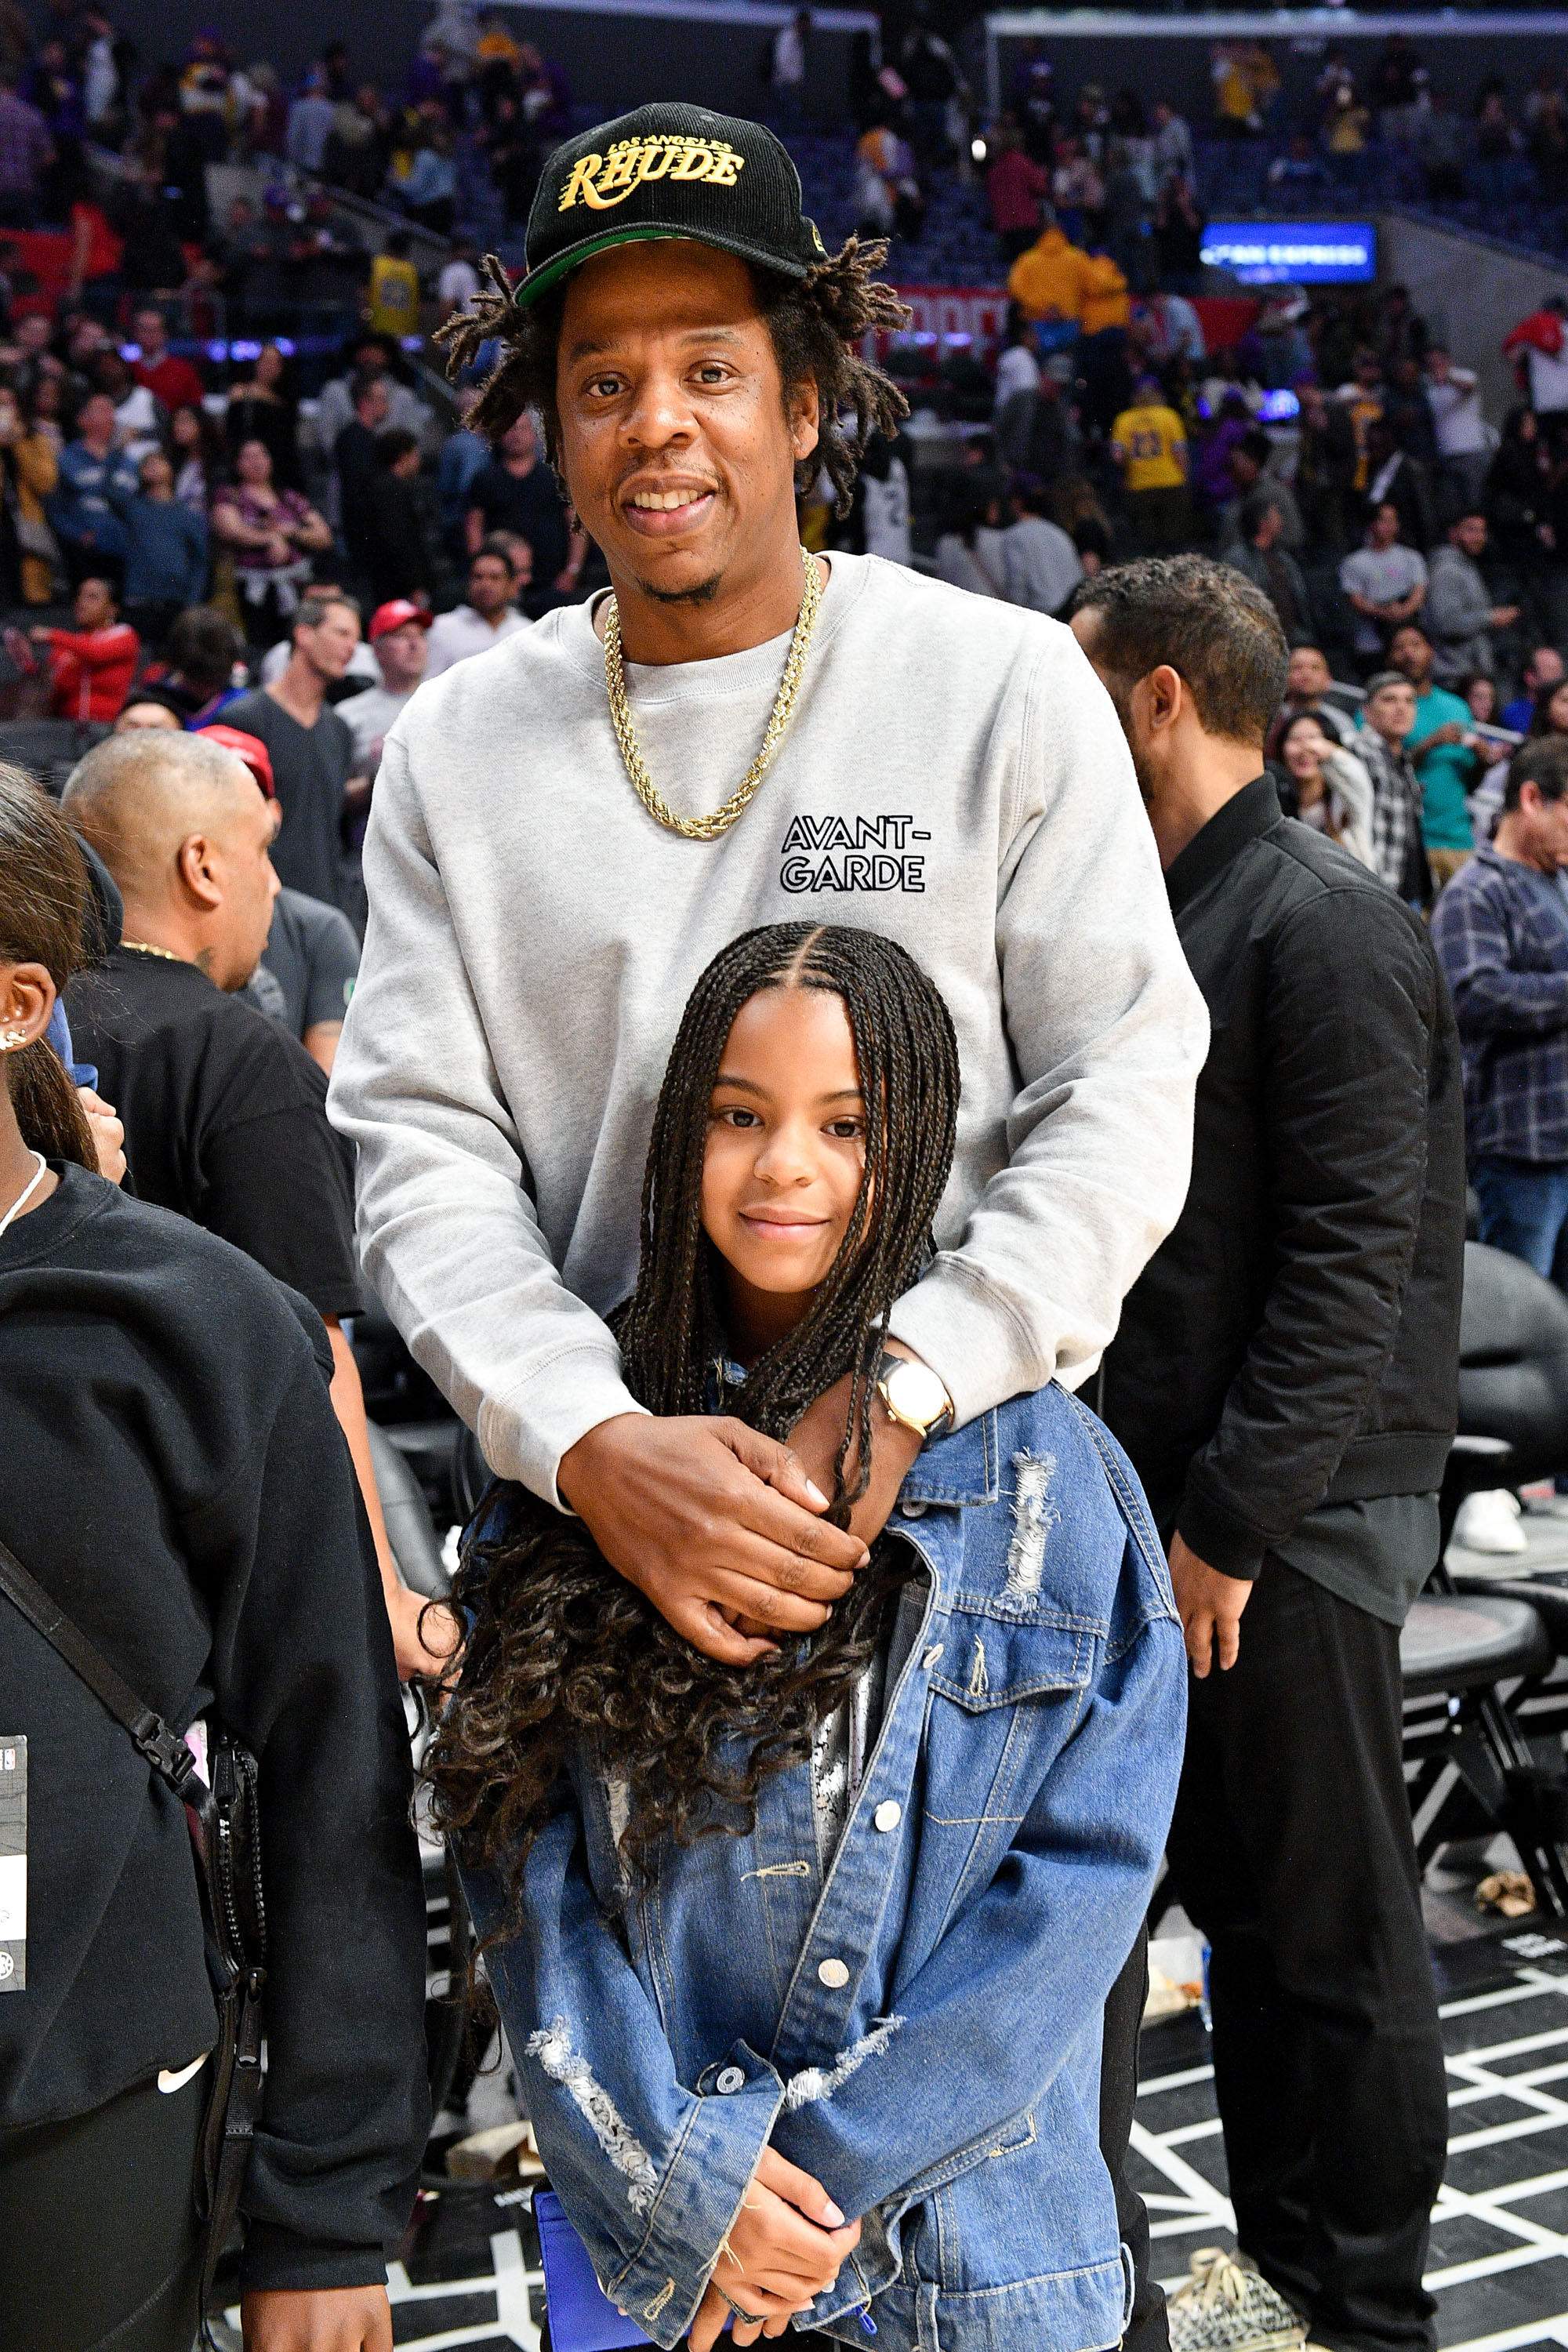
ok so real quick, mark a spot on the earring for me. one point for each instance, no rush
(13, 1038)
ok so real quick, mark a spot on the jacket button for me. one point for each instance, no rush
(833, 1973)
(731, 2079)
(888, 1815)
(913, 1510)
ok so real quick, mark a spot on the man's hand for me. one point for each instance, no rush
(706, 1517)
(317, 2319)
(1210, 1605)
(783, 2248)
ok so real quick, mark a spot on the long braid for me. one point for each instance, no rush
(563, 1651)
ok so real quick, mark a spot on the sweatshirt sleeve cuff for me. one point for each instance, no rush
(276, 2260)
(1219, 1538)
(524, 1434)
(965, 1333)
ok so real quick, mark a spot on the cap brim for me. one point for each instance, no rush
(540, 281)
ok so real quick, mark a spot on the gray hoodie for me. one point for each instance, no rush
(954, 777)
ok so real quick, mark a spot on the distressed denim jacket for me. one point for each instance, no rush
(920, 2026)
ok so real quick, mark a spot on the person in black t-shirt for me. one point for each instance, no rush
(224, 1115)
(173, 1475)
(517, 492)
(311, 748)
(307, 973)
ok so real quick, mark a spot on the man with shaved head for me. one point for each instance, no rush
(225, 1113)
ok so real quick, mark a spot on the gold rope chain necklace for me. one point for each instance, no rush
(709, 828)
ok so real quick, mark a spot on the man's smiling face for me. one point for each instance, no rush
(675, 440)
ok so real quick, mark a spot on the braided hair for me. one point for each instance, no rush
(562, 1652)
(815, 324)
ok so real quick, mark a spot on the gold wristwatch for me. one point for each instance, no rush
(915, 1396)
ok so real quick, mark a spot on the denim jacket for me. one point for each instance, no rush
(920, 2027)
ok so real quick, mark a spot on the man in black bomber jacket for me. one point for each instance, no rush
(1284, 1378)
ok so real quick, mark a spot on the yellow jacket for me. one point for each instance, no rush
(1105, 301)
(1049, 277)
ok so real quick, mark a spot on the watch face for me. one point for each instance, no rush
(917, 1391)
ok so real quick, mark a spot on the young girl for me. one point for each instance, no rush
(876, 1993)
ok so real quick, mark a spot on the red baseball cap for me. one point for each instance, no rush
(249, 748)
(395, 615)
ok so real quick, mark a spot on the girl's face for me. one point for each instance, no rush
(784, 1157)
(1305, 750)
(1482, 699)
(254, 465)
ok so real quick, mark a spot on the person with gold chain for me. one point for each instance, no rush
(567, 827)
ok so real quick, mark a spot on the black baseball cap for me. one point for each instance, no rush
(668, 171)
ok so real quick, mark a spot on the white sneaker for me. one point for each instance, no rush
(1489, 1522)
(1228, 2306)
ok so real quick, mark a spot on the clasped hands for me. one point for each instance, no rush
(783, 2249)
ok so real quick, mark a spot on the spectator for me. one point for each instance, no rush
(1325, 471)
(1464, 450)
(459, 280)
(150, 706)
(971, 555)
(1459, 613)
(205, 652)
(1441, 748)
(1016, 189)
(140, 422)
(464, 455)
(1047, 282)
(28, 473)
(1040, 566)
(427, 190)
(1479, 696)
(398, 560)
(225, 1118)
(1172, 140)
(878, 520)
(306, 972)
(1332, 791)
(262, 407)
(26, 152)
(1386, 583)
(354, 455)
(273, 534)
(399, 635)
(488, 616)
(1542, 673)
(1536, 347)
(395, 287)
(1179, 225)
(888, 195)
(356, 152)
(311, 751)
(165, 553)
(1149, 442)
(1501, 933)
(1361, 399)
(91, 666)
(1268, 565)
(1283, 1378)
(1017, 369)
(1397, 479)
(195, 452)
(1170, 328)
(786, 70)
(369, 355)
(222, 1556)
(1306, 683)
(1382, 743)
(515, 492)
(1249, 468)
(95, 475)
(309, 124)
(174, 382)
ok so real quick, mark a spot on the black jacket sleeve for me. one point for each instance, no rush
(1350, 1016)
(303, 1672)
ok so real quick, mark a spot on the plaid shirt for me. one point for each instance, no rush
(1504, 953)
(1397, 854)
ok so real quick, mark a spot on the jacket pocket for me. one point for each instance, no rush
(989, 1661)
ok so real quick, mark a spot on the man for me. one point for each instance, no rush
(1464, 452)
(1459, 610)
(1307, 684)
(1439, 745)
(354, 456)
(1385, 584)
(174, 382)
(1501, 932)
(397, 559)
(366, 353)
(1250, 467)
(1284, 1378)
(96, 478)
(225, 1118)
(459, 280)
(1268, 565)
(515, 492)
(1040, 566)
(399, 637)
(1149, 442)
(948, 773)
(1048, 280)
(488, 616)
(1325, 470)
(311, 751)
(140, 422)
(1539, 350)
(1542, 672)
(1395, 477)
(1382, 743)
(1362, 398)
(91, 666)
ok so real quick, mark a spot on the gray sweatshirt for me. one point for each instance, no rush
(954, 777)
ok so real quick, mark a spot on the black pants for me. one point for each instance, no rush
(99, 2244)
(1148, 2329)
(1291, 1849)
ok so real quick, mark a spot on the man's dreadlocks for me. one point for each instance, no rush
(815, 324)
(562, 1652)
